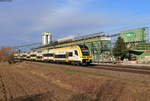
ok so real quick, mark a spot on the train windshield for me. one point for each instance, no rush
(85, 50)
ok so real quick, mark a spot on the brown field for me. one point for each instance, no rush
(29, 81)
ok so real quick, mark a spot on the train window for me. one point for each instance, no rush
(39, 57)
(60, 56)
(85, 52)
(33, 55)
(70, 54)
(28, 56)
(48, 55)
(45, 55)
(83, 46)
(39, 51)
(76, 52)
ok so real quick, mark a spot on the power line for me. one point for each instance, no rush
(27, 45)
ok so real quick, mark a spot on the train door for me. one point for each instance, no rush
(67, 55)
(76, 55)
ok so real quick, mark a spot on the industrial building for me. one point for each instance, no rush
(46, 38)
(137, 41)
(135, 37)
(99, 44)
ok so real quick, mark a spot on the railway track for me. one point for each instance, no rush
(128, 66)
(120, 68)
(123, 68)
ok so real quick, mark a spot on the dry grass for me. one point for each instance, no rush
(112, 90)
(87, 87)
(80, 97)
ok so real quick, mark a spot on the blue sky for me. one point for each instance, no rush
(22, 21)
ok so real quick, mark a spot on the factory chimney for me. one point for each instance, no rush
(46, 38)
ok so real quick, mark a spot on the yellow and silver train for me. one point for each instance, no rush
(78, 54)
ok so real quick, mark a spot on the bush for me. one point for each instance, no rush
(6, 54)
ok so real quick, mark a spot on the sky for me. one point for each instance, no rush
(22, 21)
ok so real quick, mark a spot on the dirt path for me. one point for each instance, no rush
(19, 85)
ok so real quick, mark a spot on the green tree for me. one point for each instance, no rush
(120, 50)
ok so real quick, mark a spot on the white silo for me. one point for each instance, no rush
(46, 38)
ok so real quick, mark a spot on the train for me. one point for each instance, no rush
(75, 55)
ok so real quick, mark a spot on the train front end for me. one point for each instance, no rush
(86, 57)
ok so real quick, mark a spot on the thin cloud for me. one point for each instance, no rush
(63, 18)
